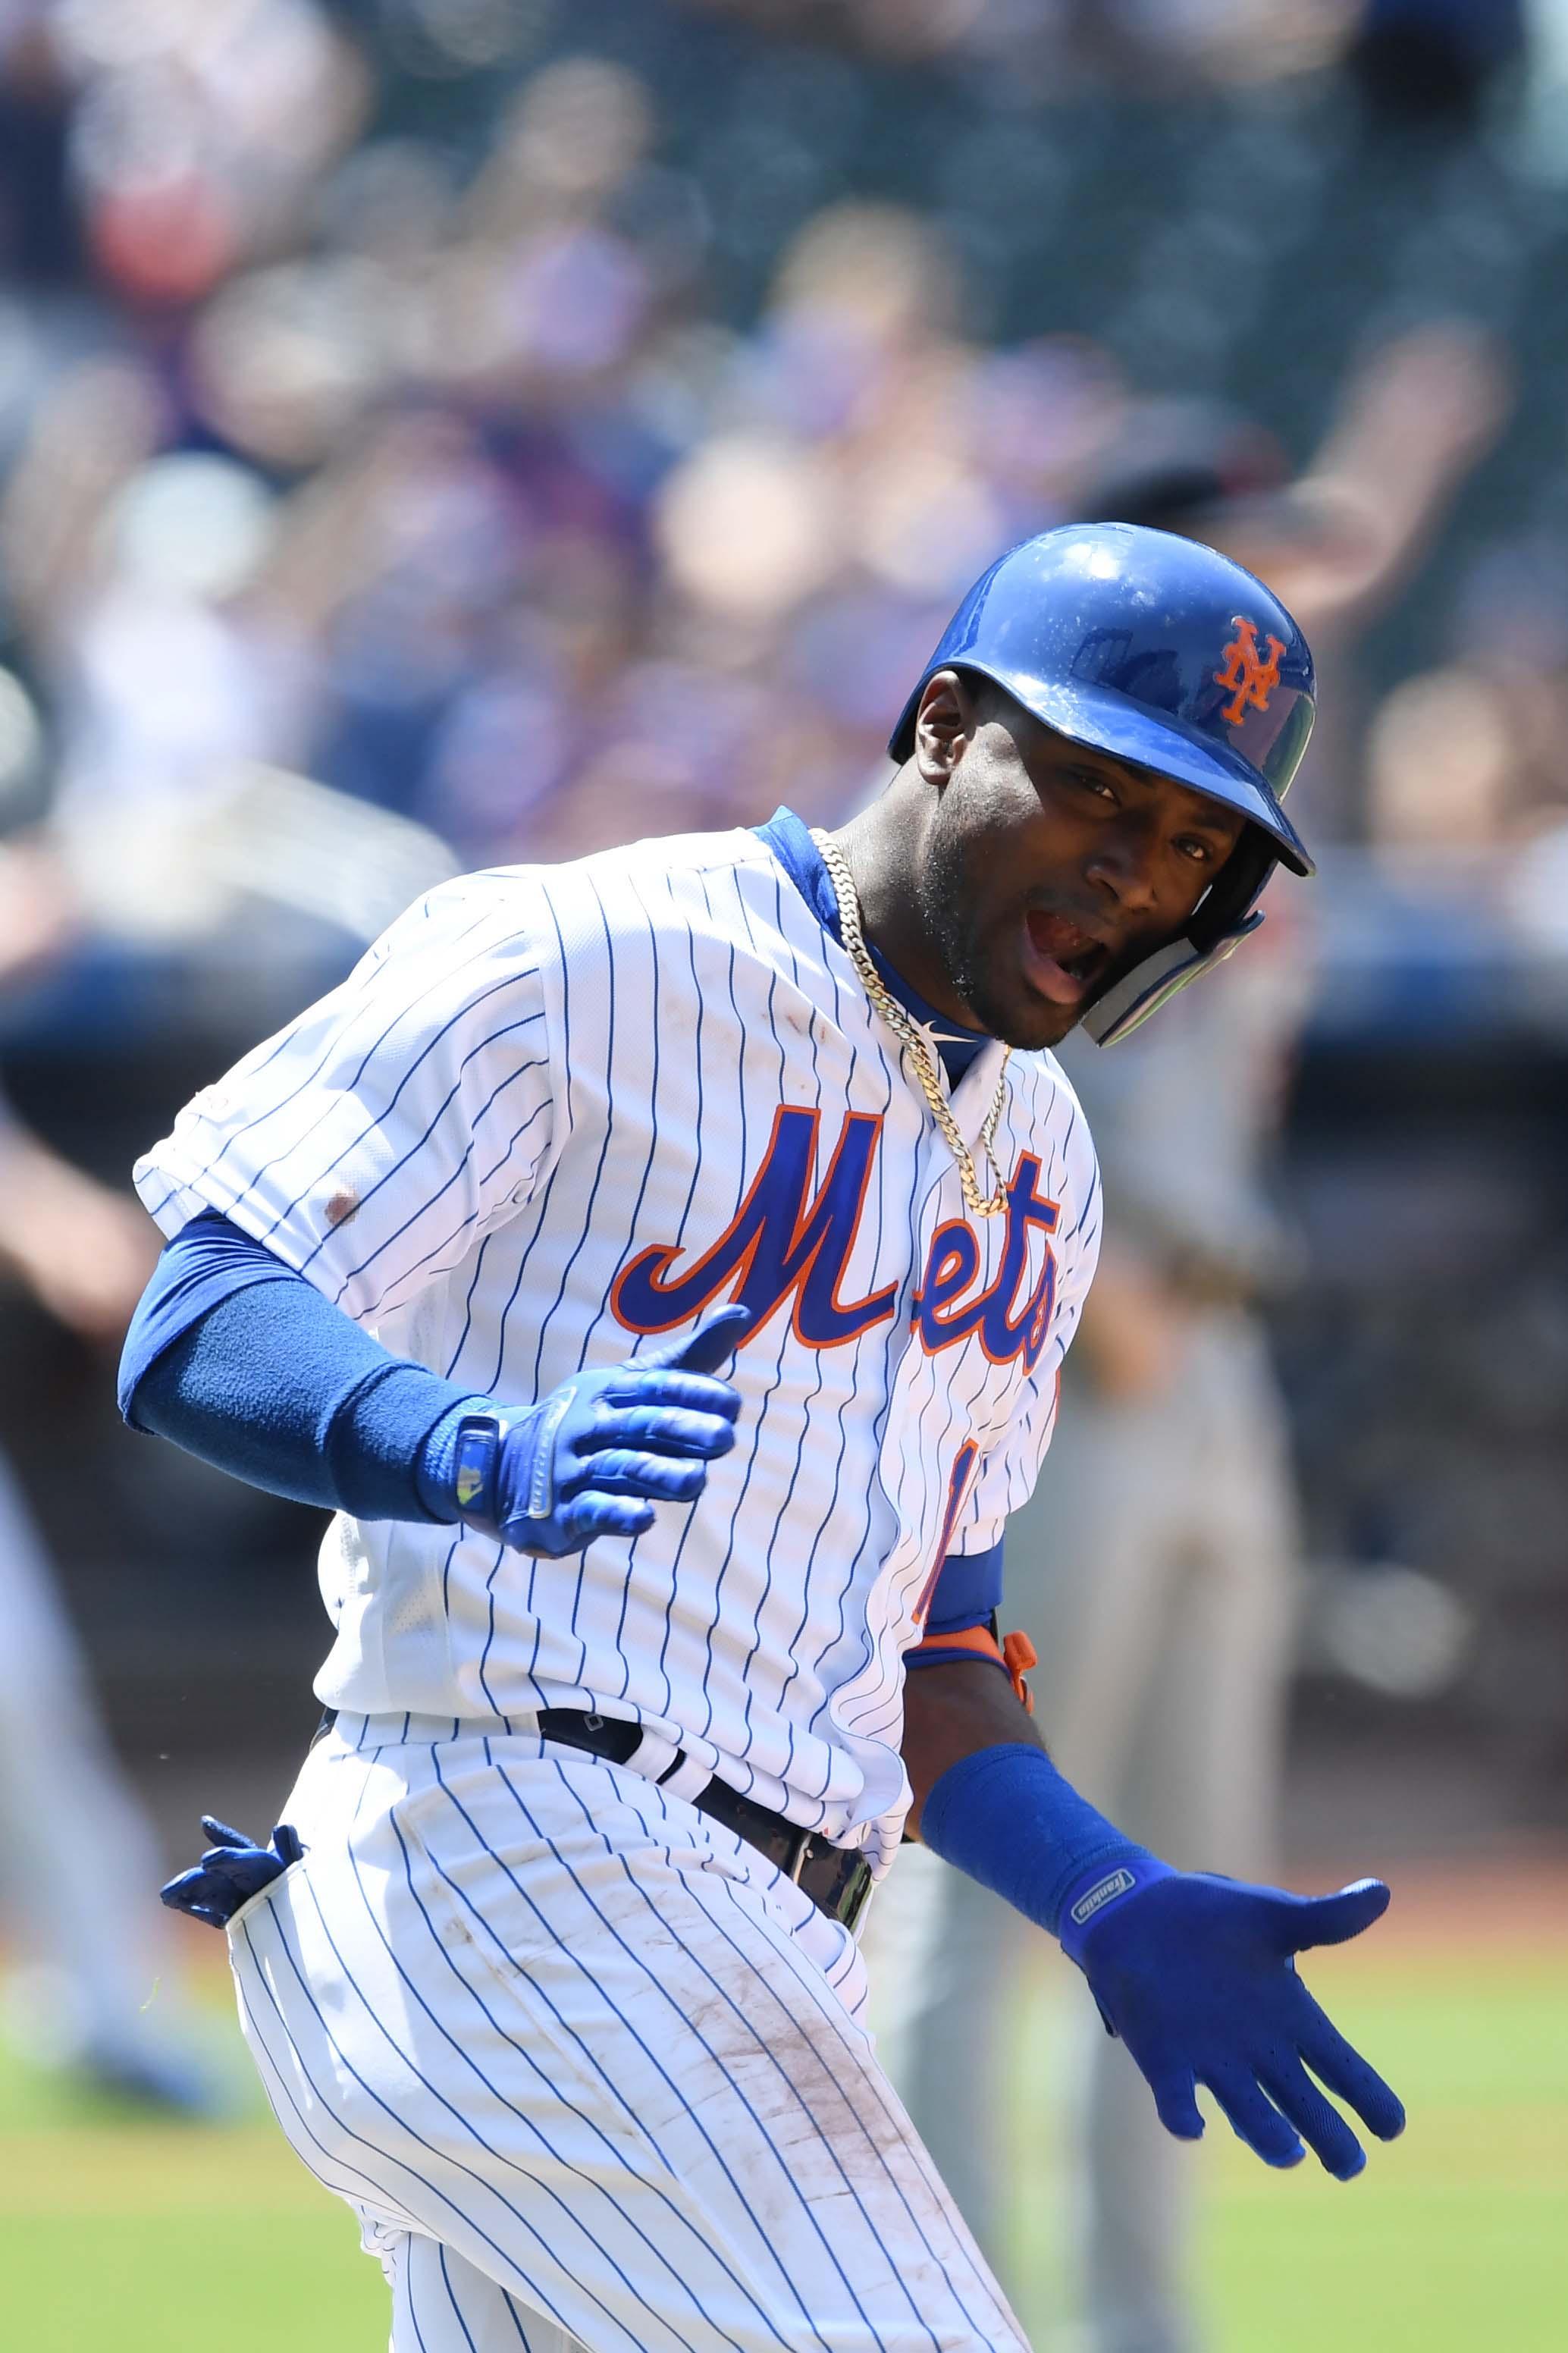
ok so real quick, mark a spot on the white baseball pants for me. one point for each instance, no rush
(588, 2067)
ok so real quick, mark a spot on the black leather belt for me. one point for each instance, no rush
(837, 1881)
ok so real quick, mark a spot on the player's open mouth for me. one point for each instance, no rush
(1061, 959)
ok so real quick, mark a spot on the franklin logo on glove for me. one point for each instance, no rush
(1120, 1883)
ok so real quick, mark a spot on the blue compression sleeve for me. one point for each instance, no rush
(208, 1259)
(241, 1361)
(1006, 1817)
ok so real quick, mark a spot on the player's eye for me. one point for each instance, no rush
(1202, 852)
(1098, 786)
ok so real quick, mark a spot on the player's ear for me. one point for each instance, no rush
(944, 722)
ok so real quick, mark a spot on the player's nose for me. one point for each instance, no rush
(1124, 866)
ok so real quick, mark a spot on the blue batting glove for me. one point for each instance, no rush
(232, 1871)
(1196, 1974)
(594, 1457)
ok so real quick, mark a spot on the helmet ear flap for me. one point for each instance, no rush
(1235, 891)
(1225, 916)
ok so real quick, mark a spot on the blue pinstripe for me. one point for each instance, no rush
(817, 1392)
(823, 1711)
(248, 1127)
(365, 972)
(465, 1228)
(680, 1235)
(587, 1228)
(488, 1387)
(743, 1165)
(451, 2298)
(386, 2157)
(449, 2155)
(490, 2294)
(631, 1229)
(333, 2169)
(811, 2010)
(413, 2317)
(632, 2031)
(706, 1728)
(767, 2052)
(524, 2054)
(398, 1166)
(696, 2032)
(854, 1551)
(376, 1118)
(836, 2026)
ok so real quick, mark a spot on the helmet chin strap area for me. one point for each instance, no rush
(1227, 910)
(1117, 1012)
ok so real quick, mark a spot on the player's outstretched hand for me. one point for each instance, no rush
(594, 1457)
(232, 1871)
(1196, 1976)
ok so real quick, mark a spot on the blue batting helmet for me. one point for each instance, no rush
(1167, 655)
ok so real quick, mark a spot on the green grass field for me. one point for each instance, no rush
(116, 2235)
(1454, 2239)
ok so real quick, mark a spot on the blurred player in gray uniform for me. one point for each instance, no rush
(75, 1846)
(1154, 1564)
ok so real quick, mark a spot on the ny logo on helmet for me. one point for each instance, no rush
(1252, 682)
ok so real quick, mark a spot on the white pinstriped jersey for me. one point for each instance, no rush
(555, 1109)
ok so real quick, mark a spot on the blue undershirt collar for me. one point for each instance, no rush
(790, 840)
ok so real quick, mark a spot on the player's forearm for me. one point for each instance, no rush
(1000, 1811)
(988, 1798)
(241, 1361)
(952, 1710)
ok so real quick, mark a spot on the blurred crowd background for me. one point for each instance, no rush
(441, 432)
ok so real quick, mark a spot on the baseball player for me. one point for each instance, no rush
(73, 1834)
(75, 1840)
(1155, 1562)
(550, 1971)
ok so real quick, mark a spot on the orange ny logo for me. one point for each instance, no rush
(1252, 682)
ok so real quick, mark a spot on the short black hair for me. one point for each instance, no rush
(991, 699)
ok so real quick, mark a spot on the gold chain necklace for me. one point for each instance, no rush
(909, 1033)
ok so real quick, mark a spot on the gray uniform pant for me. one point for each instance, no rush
(1153, 1569)
(79, 1861)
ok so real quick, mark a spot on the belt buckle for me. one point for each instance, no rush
(801, 1857)
(854, 1909)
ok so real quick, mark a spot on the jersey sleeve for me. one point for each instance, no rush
(967, 1592)
(1006, 1473)
(374, 1140)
